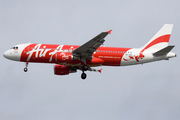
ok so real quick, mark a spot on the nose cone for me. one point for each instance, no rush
(12, 55)
(7, 54)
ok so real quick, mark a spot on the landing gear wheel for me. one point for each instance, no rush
(83, 75)
(25, 69)
(85, 67)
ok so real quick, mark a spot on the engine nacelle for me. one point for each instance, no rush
(63, 70)
(65, 56)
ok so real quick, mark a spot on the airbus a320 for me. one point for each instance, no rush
(70, 58)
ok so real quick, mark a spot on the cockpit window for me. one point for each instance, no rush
(14, 48)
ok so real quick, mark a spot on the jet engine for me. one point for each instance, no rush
(63, 70)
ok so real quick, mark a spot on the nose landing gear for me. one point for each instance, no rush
(26, 69)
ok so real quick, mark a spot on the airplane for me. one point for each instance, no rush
(70, 58)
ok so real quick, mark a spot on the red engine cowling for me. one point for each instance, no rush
(63, 70)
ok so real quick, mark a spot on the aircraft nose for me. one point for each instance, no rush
(12, 55)
(6, 54)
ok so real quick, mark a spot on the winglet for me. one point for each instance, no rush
(109, 31)
(100, 70)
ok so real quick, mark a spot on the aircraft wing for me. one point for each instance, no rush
(86, 50)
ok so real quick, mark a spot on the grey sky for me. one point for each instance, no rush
(141, 92)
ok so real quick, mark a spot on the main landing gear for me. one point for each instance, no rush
(83, 75)
(84, 68)
(26, 69)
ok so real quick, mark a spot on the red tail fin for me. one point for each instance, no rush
(160, 39)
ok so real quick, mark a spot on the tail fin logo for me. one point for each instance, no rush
(160, 39)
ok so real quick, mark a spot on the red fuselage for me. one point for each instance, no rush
(61, 54)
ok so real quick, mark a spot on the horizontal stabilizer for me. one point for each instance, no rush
(163, 51)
